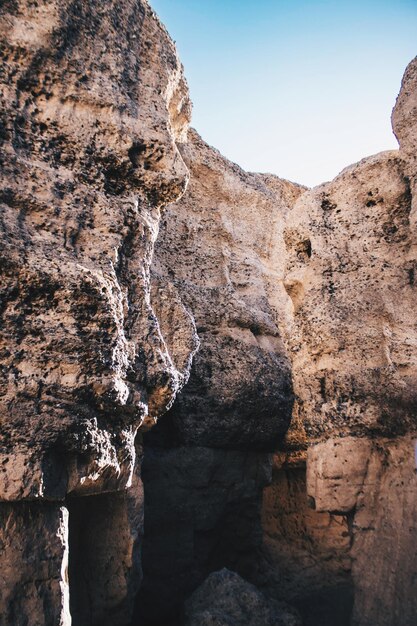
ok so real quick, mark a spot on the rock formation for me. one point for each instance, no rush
(208, 460)
(93, 102)
(289, 457)
(352, 254)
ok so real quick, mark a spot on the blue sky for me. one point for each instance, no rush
(297, 88)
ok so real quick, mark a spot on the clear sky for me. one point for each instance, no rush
(299, 88)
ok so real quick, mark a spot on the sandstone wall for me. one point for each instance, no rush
(351, 276)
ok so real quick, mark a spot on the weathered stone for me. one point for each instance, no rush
(34, 565)
(376, 481)
(105, 538)
(305, 557)
(207, 460)
(222, 247)
(352, 253)
(93, 101)
(404, 124)
(350, 249)
(202, 512)
(225, 599)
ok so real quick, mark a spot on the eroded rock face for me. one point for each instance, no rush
(306, 554)
(291, 290)
(202, 513)
(93, 101)
(404, 124)
(207, 461)
(352, 254)
(222, 247)
(376, 481)
(33, 564)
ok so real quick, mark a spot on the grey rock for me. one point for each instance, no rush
(225, 599)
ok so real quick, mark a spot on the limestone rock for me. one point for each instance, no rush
(93, 102)
(207, 460)
(34, 565)
(404, 124)
(351, 253)
(225, 599)
(376, 481)
(306, 553)
(202, 512)
(222, 247)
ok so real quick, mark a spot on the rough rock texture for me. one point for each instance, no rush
(376, 481)
(34, 564)
(222, 247)
(105, 571)
(295, 294)
(404, 124)
(305, 557)
(207, 461)
(93, 101)
(353, 346)
(352, 256)
(225, 599)
(202, 512)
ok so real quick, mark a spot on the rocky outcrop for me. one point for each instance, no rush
(33, 564)
(306, 553)
(222, 247)
(93, 101)
(351, 262)
(329, 272)
(225, 599)
(354, 363)
(304, 305)
(207, 461)
(375, 481)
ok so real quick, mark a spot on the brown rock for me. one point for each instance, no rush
(350, 252)
(222, 247)
(376, 481)
(93, 102)
(33, 564)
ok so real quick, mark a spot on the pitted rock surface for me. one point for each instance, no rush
(93, 102)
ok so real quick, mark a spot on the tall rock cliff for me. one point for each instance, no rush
(289, 456)
(93, 101)
(352, 255)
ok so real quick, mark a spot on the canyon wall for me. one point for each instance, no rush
(207, 461)
(93, 101)
(289, 455)
(354, 362)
